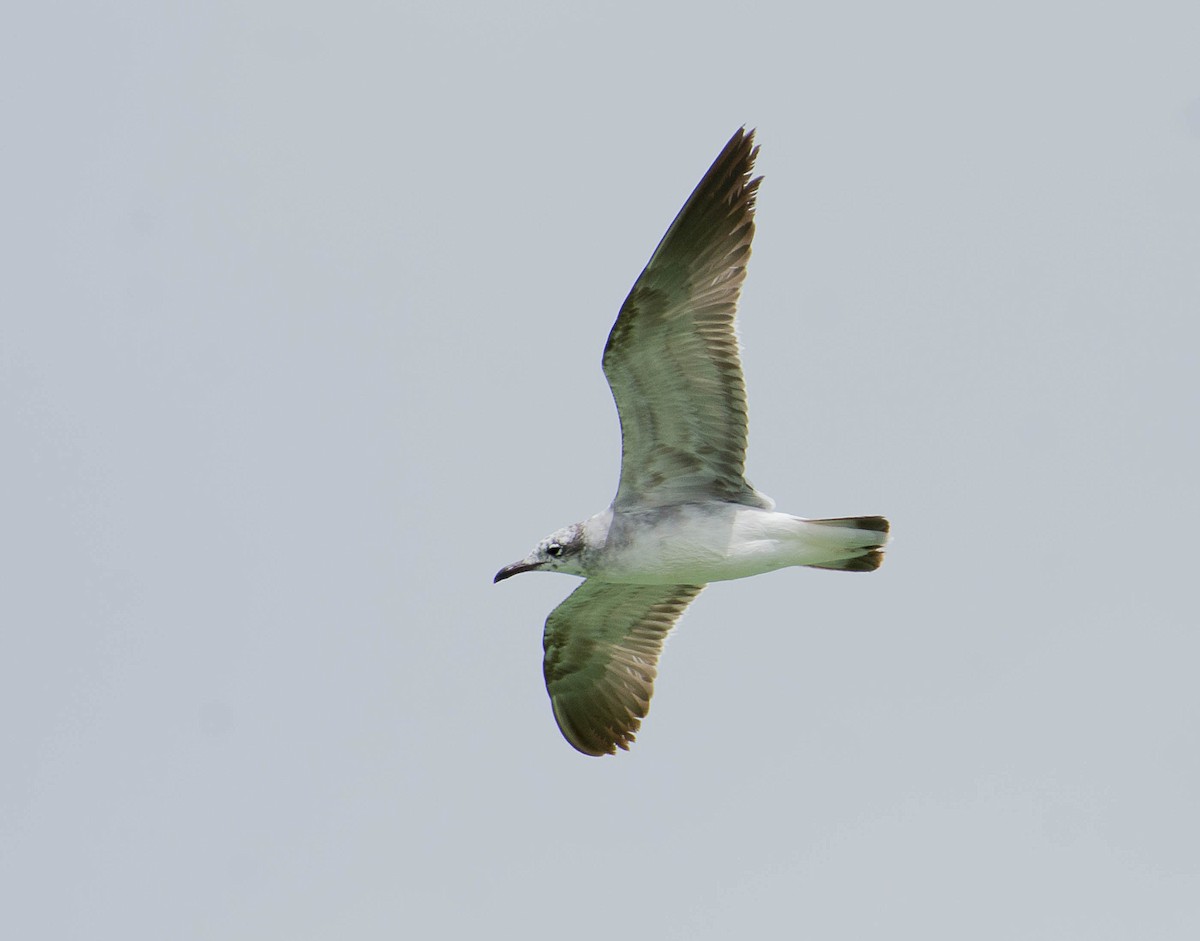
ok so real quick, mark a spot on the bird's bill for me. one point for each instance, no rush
(516, 569)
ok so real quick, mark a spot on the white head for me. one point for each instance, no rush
(558, 552)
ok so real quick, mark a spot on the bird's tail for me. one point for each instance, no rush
(861, 538)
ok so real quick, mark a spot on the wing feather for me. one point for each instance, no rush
(672, 356)
(602, 646)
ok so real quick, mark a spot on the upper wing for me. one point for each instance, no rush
(672, 356)
(602, 645)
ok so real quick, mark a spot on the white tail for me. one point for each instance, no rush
(862, 537)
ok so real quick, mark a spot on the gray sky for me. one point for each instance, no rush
(303, 314)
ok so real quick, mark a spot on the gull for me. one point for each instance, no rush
(684, 514)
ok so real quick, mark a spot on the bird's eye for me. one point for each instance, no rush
(554, 550)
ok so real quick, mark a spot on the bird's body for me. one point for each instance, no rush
(697, 543)
(684, 514)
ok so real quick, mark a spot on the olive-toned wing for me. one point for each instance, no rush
(672, 355)
(602, 645)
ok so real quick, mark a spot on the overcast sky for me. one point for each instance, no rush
(300, 335)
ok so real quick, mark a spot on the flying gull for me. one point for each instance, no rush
(684, 514)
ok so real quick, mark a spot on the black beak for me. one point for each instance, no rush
(516, 569)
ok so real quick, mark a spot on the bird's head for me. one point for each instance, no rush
(558, 552)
